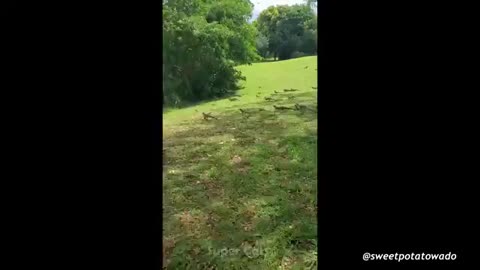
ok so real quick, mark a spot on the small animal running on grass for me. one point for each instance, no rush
(302, 108)
(269, 98)
(281, 108)
(233, 99)
(207, 116)
(243, 111)
(299, 107)
(245, 114)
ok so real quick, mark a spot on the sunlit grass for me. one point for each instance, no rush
(244, 184)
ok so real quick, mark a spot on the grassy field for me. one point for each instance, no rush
(240, 191)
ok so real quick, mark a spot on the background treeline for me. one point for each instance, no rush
(286, 32)
(203, 40)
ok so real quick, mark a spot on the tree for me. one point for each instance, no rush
(203, 40)
(288, 29)
(262, 45)
(267, 25)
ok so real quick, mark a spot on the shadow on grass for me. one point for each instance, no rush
(242, 182)
(268, 60)
(185, 104)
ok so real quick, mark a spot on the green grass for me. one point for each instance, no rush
(240, 192)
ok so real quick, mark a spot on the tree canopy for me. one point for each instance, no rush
(289, 29)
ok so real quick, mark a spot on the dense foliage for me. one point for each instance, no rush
(289, 30)
(202, 42)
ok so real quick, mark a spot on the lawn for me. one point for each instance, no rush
(239, 191)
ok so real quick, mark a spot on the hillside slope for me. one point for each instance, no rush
(261, 78)
(240, 190)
